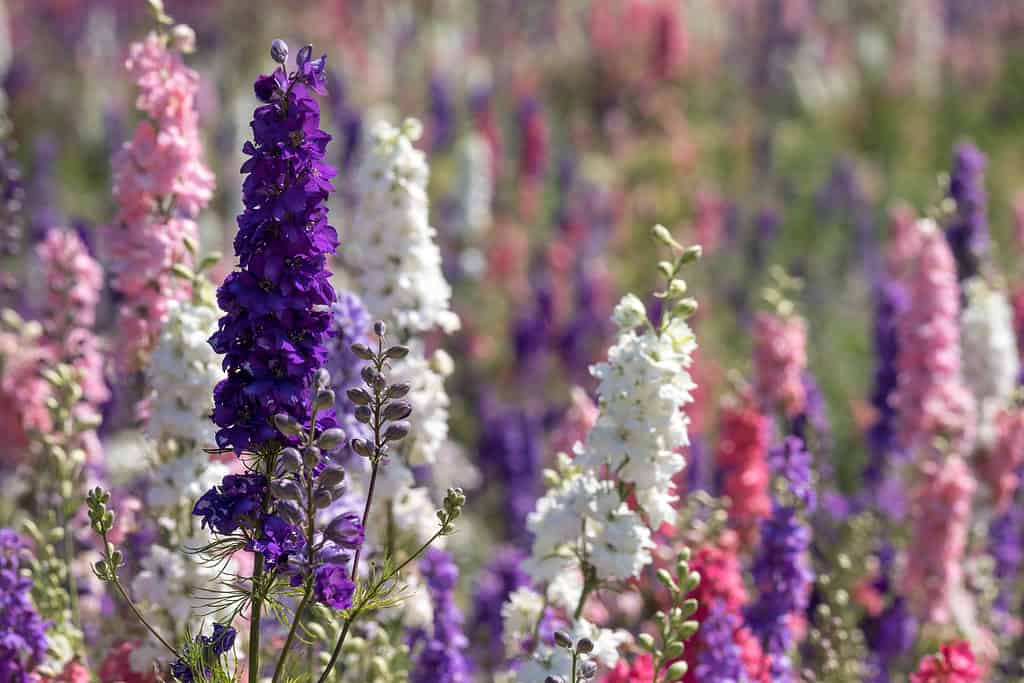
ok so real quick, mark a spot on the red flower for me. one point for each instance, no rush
(954, 663)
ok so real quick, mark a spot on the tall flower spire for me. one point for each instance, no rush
(277, 304)
(160, 185)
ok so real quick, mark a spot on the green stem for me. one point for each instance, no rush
(257, 601)
(279, 669)
(575, 658)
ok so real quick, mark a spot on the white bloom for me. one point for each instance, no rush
(991, 363)
(390, 246)
(556, 661)
(566, 587)
(476, 184)
(428, 422)
(520, 615)
(182, 372)
(621, 547)
(629, 312)
(181, 481)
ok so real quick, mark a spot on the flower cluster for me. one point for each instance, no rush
(23, 639)
(968, 229)
(442, 656)
(742, 459)
(991, 364)
(782, 572)
(780, 358)
(939, 517)
(277, 318)
(931, 397)
(953, 663)
(390, 246)
(160, 186)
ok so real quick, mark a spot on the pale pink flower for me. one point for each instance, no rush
(575, 424)
(999, 465)
(904, 239)
(780, 358)
(939, 516)
(160, 186)
(931, 397)
(23, 394)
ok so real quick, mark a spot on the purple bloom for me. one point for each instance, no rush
(279, 542)
(781, 568)
(333, 587)
(968, 231)
(720, 658)
(509, 449)
(208, 649)
(276, 305)
(441, 121)
(890, 302)
(499, 578)
(442, 657)
(346, 530)
(233, 505)
(891, 634)
(22, 631)
(351, 323)
(1005, 547)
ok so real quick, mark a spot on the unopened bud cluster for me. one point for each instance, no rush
(675, 626)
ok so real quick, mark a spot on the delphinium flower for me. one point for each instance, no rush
(890, 303)
(999, 466)
(160, 185)
(277, 320)
(953, 663)
(968, 227)
(780, 358)
(585, 533)
(1005, 532)
(939, 520)
(720, 659)
(741, 458)
(475, 188)
(74, 282)
(931, 398)
(888, 625)
(498, 579)
(442, 656)
(782, 571)
(390, 245)
(991, 364)
(509, 453)
(533, 152)
(351, 324)
(23, 641)
(202, 657)
(441, 121)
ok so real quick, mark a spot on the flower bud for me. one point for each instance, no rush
(688, 629)
(324, 399)
(183, 38)
(674, 650)
(364, 414)
(396, 431)
(369, 374)
(330, 439)
(322, 498)
(691, 254)
(646, 641)
(661, 234)
(310, 457)
(286, 424)
(398, 390)
(397, 352)
(397, 410)
(379, 328)
(289, 511)
(279, 51)
(321, 378)
(563, 640)
(331, 477)
(359, 396)
(286, 489)
(362, 351)
(587, 670)
(585, 645)
(361, 447)
(304, 55)
(289, 460)
(677, 670)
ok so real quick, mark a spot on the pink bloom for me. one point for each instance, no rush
(904, 239)
(743, 438)
(931, 396)
(939, 518)
(640, 670)
(575, 424)
(73, 673)
(954, 663)
(23, 394)
(708, 219)
(998, 467)
(116, 666)
(73, 280)
(780, 358)
(160, 185)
